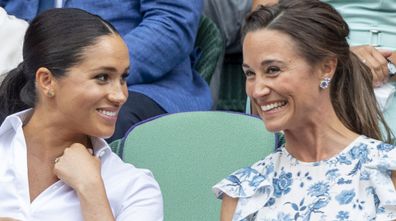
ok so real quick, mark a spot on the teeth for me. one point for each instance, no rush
(108, 113)
(273, 106)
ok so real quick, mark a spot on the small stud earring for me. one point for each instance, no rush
(50, 94)
(325, 82)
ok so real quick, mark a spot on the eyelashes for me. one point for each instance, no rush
(105, 78)
(271, 70)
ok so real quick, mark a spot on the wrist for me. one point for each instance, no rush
(89, 186)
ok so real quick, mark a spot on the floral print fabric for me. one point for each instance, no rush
(353, 185)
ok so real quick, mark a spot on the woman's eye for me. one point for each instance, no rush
(272, 70)
(249, 73)
(124, 77)
(102, 77)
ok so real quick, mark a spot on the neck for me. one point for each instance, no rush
(319, 139)
(46, 139)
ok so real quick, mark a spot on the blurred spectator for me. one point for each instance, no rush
(228, 83)
(228, 16)
(11, 40)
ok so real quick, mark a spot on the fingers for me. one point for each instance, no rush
(393, 57)
(376, 60)
(77, 167)
(74, 148)
(385, 53)
(378, 66)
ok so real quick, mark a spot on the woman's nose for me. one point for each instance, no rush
(118, 94)
(260, 88)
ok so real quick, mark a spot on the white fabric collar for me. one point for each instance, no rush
(16, 121)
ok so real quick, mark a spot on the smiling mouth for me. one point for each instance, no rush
(107, 113)
(273, 106)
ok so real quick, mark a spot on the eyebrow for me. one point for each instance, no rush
(264, 63)
(110, 69)
(267, 62)
(245, 65)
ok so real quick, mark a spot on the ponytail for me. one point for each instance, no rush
(16, 91)
(353, 98)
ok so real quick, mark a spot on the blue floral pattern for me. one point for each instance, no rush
(353, 185)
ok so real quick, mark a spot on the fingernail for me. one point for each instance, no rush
(377, 84)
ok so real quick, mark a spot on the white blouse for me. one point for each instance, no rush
(133, 193)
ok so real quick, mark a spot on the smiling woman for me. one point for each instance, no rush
(96, 85)
(57, 106)
(305, 81)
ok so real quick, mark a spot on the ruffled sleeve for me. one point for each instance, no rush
(251, 187)
(381, 186)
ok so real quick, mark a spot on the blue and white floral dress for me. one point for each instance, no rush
(353, 185)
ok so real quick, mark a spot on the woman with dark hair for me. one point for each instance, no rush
(61, 101)
(306, 82)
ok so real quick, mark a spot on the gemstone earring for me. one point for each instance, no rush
(324, 83)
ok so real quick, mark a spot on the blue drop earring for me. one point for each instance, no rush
(325, 82)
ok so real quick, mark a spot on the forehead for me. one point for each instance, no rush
(267, 44)
(108, 50)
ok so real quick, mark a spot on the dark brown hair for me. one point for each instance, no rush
(320, 32)
(56, 39)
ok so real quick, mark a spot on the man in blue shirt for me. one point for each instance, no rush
(160, 35)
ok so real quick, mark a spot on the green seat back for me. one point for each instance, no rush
(190, 152)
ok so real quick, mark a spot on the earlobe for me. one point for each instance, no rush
(45, 81)
(329, 67)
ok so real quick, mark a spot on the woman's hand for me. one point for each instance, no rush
(8, 219)
(78, 168)
(375, 59)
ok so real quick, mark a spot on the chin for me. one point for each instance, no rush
(103, 133)
(273, 127)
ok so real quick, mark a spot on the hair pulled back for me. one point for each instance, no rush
(56, 40)
(319, 32)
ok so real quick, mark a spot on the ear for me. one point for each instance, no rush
(328, 67)
(45, 82)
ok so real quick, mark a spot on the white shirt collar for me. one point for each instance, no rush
(16, 120)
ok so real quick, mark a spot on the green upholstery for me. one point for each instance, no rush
(190, 152)
(116, 146)
(211, 46)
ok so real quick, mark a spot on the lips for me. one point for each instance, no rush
(108, 113)
(273, 106)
